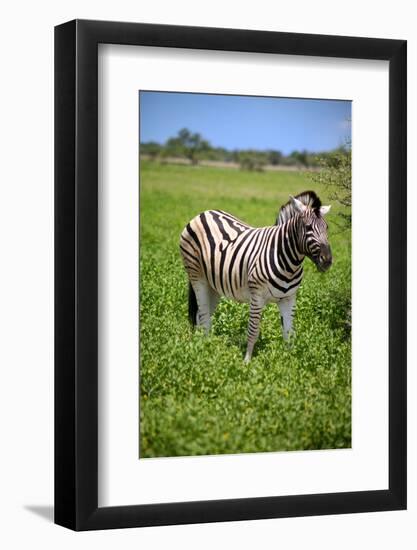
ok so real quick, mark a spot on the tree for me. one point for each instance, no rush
(173, 148)
(152, 149)
(252, 160)
(189, 145)
(274, 157)
(336, 175)
(300, 157)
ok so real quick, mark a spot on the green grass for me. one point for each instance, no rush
(197, 397)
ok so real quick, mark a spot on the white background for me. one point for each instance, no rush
(123, 479)
(26, 300)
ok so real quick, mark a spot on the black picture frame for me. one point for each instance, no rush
(76, 272)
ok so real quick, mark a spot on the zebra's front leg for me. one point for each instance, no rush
(255, 313)
(286, 307)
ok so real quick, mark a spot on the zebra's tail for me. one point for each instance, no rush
(192, 305)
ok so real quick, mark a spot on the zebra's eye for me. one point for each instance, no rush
(309, 226)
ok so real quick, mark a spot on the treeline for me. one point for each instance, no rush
(194, 148)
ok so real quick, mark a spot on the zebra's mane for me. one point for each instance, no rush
(287, 211)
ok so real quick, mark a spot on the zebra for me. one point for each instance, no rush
(223, 256)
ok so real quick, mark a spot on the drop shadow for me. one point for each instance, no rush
(45, 512)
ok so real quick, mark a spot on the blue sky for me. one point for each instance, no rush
(246, 122)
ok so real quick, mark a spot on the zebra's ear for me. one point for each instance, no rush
(298, 205)
(325, 209)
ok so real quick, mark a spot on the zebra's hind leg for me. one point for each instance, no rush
(286, 308)
(207, 300)
(214, 300)
(255, 313)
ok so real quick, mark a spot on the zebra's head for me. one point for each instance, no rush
(312, 229)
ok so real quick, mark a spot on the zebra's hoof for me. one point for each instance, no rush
(289, 343)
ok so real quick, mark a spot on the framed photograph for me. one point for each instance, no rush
(230, 275)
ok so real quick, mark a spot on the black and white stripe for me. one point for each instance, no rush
(224, 256)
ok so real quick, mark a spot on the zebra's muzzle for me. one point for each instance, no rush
(324, 259)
